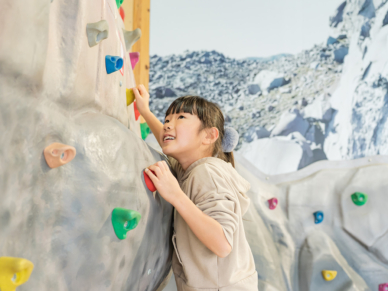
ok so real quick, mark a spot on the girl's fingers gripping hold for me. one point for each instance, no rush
(156, 169)
(136, 93)
(143, 91)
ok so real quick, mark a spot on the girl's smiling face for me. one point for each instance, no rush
(186, 138)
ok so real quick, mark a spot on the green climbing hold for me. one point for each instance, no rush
(123, 220)
(145, 130)
(118, 3)
(359, 198)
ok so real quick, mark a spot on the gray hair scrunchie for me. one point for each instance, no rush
(230, 139)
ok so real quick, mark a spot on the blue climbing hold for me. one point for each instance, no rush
(113, 64)
(318, 217)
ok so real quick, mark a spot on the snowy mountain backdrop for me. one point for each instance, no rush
(328, 102)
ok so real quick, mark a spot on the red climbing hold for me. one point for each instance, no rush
(273, 202)
(137, 113)
(148, 181)
(122, 13)
(134, 59)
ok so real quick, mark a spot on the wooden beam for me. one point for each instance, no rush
(128, 10)
(141, 19)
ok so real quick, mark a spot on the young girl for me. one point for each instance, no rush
(211, 251)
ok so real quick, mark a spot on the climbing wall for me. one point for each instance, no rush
(75, 208)
(326, 230)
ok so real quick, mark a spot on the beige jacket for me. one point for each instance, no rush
(219, 191)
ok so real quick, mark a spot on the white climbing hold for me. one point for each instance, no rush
(96, 32)
(131, 37)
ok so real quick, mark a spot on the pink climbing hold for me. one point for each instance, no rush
(134, 59)
(273, 202)
(383, 287)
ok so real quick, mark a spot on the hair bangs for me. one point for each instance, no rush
(186, 104)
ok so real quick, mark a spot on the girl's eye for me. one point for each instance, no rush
(181, 116)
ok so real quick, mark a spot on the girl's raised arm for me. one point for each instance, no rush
(142, 103)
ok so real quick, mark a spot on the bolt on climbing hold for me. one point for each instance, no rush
(383, 287)
(137, 113)
(14, 272)
(58, 154)
(273, 202)
(130, 96)
(150, 185)
(96, 32)
(318, 216)
(145, 130)
(134, 57)
(329, 275)
(122, 13)
(124, 220)
(118, 3)
(130, 37)
(359, 198)
(113, 64)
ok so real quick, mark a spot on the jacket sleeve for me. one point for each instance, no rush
(214, 197)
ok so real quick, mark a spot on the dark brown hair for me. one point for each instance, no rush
(210, 115)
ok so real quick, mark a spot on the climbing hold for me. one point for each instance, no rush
(131, 37)
(14, 272)
(359, 198)
(150, 185)
(113, 64)
(273, 202)
(383, 287)
(137, 113)
(318, 217)
(134, 57)
(145, 130)
(123, 220)
(118, 3)
(58, 154)
(130, 96)
(96, 32)
(329, 275)
(122, 13)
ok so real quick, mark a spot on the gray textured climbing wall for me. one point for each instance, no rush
(291, 250)
(54, 88)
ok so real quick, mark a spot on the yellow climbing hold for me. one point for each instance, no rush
(329, 275)
(14, 272)
(130, 96)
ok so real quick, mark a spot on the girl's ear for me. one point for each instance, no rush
(211, 135)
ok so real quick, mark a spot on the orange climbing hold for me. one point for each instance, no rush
(150, 185)
(58, 154)
(14, 272)
(137, 113)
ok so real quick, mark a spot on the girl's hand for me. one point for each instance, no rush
(164, 181)
(142, 99)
